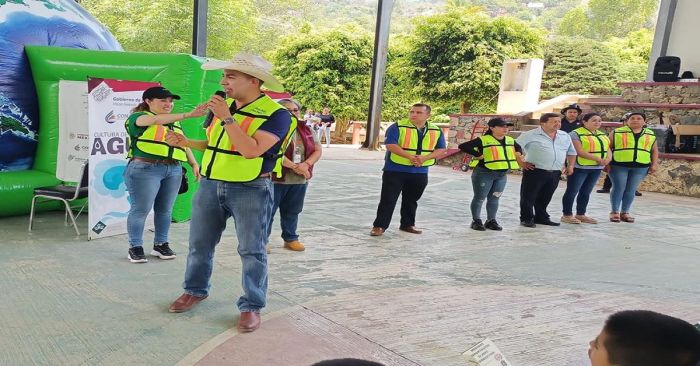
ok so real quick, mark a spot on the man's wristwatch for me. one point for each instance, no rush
(227, 121)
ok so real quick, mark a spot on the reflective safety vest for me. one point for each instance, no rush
(626, 148)
(409, 141)
(596, 143)
(221, 160)
(285, 144)
(152, 141)
(496, 157)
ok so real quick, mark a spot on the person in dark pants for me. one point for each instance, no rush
(546, 150)
(413, 145)
(303, 152)
(570, 118)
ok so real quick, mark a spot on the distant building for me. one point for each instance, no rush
(535, 5)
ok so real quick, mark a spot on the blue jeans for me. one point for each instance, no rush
(624, 183)
(250, 205)
(290, 200)
(151, 186)
(488, 185)
(579, 186)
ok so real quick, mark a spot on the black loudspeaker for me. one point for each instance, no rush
(667, 68)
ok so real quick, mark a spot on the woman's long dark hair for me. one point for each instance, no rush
(142, 107)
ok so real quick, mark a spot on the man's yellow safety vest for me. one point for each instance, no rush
(408, 140)
(627, 148)
(221, 160)
(285, 144)
(152, 141)
(596, 143)
(496, 157)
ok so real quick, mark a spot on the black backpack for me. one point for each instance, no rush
(667, 68)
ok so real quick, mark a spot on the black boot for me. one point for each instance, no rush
(478, 225)
(492, 225)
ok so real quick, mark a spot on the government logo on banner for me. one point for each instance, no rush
(109, 105)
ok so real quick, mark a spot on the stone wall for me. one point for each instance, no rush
(684, 116)
(462, 125)
(666, 93)
(675, 176)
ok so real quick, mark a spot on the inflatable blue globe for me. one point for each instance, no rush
(60, 23)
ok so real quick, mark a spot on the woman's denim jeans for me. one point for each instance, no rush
(579, 186)
(488, 185)
(250, 205)
(290, 200)
(624, 183)
(151, 186)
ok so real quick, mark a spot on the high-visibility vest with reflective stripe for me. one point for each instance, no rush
(496, 157)
(626, 148)
(596, 143)
(408, 140)
(152, 141)
(285, 144)
(221, 160)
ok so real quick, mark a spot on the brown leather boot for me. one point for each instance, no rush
(249, 321)
(376, 231)
(184, 303)
(410, 229)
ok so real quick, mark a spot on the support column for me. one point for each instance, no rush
(199, 28)
(381, 43)
(664, 24)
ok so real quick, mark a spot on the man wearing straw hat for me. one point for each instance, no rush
(244, 142)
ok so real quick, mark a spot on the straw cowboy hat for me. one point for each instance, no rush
(249, 64)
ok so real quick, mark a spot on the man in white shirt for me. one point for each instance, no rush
(546, 151)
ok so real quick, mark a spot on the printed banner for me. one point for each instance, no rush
(109, 104)
(72, 129)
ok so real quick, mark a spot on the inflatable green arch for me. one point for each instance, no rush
(178, 72)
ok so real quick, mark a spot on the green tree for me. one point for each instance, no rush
(166, 25)
(620, 17)
(457, 57)
(330, 68)
(633, 52)
(579, 66)
(399, 92)
(575, 23)
(601, 19)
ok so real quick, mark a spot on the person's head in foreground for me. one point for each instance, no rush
(347, 362)
(645, 338)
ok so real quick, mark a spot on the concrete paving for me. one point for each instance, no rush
(400, 299)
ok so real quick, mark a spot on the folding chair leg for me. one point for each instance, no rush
(31, 214)
(65, 216)
(70, 212)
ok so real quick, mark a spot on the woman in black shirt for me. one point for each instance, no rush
(495, 154)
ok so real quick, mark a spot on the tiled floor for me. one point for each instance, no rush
(401, 299)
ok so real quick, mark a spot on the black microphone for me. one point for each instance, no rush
(210, 116)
